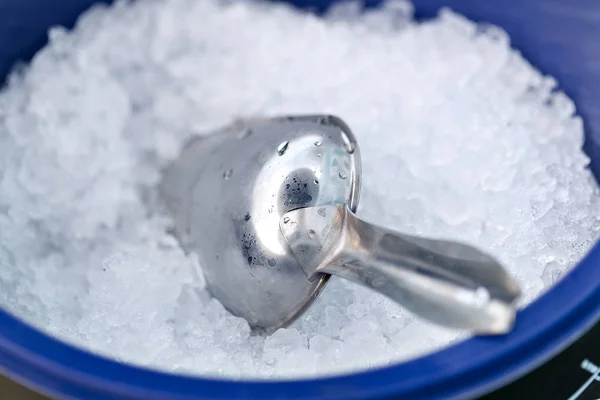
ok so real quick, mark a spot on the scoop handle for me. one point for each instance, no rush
(448, 283)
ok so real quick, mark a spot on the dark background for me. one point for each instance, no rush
(560, 377)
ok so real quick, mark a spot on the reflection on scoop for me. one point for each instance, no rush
(268, 206)
(449, 283)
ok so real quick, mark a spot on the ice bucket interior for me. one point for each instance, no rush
(559, 38)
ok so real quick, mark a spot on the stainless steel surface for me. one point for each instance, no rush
(268, 204)
(227, 192)
(449, 283)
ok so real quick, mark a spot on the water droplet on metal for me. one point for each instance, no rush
(318, 143)
(294, 224)
(282, 148)
(322, 212)
(271, 210)
(286, 220)
(312, 233)
(349, 145)
(227, 174)
(316, 181)
(343, 175)
(271, 262)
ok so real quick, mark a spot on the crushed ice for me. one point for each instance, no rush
(460, 136)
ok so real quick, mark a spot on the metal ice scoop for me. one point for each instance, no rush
(268, 206)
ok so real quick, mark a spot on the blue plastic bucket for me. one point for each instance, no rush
(560, 38)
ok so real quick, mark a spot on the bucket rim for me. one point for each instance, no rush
(467, 368)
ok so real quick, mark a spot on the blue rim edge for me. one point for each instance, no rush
(471, 367)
